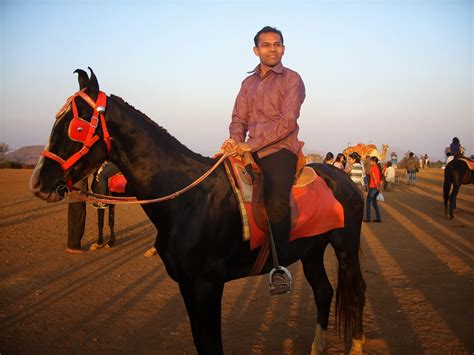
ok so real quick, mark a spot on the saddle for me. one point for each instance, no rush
(314, 209)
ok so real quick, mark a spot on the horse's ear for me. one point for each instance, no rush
(93, 83)
(83, 78)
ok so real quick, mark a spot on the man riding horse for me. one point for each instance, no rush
(267, 108)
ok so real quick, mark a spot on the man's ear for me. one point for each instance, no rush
(256, 51)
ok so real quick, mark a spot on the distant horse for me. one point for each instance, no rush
(200, 239)
(101, 216)
(456, 173)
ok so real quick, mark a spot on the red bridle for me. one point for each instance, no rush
(81, 130)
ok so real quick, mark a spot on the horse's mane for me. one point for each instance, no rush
(174, 143)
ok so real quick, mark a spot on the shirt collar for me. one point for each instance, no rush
(278, 69)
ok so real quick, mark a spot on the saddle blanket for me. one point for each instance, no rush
(315, 210)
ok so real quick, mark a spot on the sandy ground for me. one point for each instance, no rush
(418, 267)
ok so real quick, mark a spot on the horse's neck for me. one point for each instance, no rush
(153, 161)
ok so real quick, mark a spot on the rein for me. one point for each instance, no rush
(85, 132)
(87, 196)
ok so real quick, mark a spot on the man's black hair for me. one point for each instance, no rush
(267, 29)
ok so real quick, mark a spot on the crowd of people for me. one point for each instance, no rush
(373, 177)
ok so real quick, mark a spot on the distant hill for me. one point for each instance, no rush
(25, 155)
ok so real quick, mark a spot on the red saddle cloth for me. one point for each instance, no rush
(315, 210)
(117, 183)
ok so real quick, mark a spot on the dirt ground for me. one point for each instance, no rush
(418, 267)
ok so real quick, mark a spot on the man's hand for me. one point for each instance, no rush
(228, 146)
(242, 148)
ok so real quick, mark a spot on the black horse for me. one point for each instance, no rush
(200, 239)
(456, 173)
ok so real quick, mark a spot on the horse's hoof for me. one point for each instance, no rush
(150, 252)
(94, 247)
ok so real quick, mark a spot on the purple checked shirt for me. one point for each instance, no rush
(267, 109)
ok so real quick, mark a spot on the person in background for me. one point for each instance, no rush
(354, 169)
(367, 167)
(455, 148)
(107, 170)
(343, 160)
(329, 159)
(389, 173)
(374, 190)
(411, 168)
(76, 222)
(264, 123)
(340, 161)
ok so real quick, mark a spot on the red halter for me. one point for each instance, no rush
(81, 130)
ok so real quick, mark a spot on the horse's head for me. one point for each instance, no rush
(78, 143)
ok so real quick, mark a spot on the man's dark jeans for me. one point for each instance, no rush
(76, 222)
(372, 200)
(279, 171)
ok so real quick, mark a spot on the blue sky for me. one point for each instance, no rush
(395, 72)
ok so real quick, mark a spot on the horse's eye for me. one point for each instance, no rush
(79, 129)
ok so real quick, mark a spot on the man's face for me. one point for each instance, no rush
(270, 49)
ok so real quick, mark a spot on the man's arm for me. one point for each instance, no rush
(239, 125)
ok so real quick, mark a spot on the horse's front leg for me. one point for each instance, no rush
(111, 225)
(203, 303)
(100, 225)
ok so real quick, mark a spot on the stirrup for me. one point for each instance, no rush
(281, 287)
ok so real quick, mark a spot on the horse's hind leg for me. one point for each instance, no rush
(100, 225)
(452, 199)
(315, 273)
(446, 190)
(111, 225)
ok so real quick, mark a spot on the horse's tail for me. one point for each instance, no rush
(350, 300)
